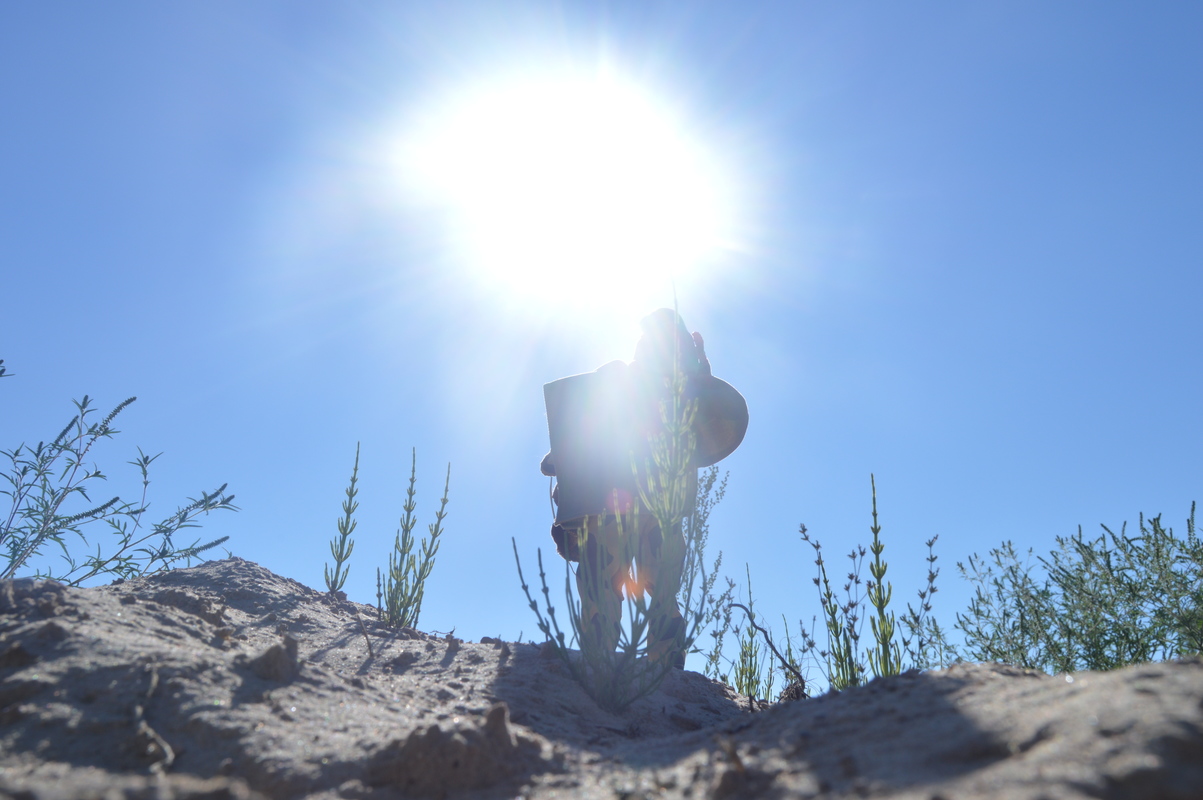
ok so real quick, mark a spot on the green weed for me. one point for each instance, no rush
(752, 671)
(404, 583)
(48, 490)
(342, 547)
(843, 661)
(1091, 604)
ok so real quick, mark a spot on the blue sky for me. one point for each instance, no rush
(968, 262)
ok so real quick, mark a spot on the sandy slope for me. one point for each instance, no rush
(226, 680)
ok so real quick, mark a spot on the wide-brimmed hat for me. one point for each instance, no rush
(722, 419)
(722, 416)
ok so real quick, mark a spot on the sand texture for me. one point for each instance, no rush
(227, 681)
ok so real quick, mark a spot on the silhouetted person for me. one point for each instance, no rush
(603, 425)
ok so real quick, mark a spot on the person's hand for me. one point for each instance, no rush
(700, 347)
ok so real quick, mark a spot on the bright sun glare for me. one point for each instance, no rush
(577, 191)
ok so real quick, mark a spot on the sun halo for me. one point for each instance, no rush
(573, 191)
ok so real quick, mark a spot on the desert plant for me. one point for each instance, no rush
(698, 581)
(886, 657)
(404, 583)
(787, 663)
(614, 672)
(750, 676)
(712, 666)
(45, 483)
(717, 616)
(1091, 604)
(752, 671)
(342, 547)
(918, 641)
(923, 639)
(842, 620)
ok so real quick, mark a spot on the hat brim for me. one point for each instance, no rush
(721, 422)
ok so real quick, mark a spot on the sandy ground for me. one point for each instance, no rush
(225, 680)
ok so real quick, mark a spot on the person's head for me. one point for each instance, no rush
(665, 334)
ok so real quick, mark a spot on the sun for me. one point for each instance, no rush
(575, 190)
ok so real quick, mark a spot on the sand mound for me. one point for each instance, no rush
(226, 680)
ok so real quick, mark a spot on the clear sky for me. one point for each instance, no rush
(957, 246)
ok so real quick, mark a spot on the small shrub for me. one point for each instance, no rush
(342, 547)
(45, 486)
(752, 671)
(886, 656)
(404, 583)
(843, 662)
(1092, 604)
(697, 595)
(917, 645)
(718, 612)
(924, 641)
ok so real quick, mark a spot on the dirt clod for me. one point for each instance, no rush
(279, 662)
